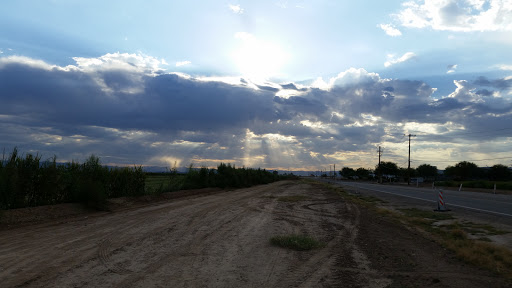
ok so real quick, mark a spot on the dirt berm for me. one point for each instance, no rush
(222, 239)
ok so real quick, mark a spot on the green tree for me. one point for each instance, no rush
(362, 173)
(499, 172)
(463, 170)
(466, 170)
(427, 171)
(387, 168)
(450, 171)
(347, 172)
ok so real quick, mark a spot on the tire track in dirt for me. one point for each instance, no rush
(105, 254)
(328, 266)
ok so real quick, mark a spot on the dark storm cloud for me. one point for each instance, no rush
(500, 84)
(135, 111)
(166, 102)
(267, 88)
(186, 104)
(394, 100)
(484, 92)
(292, 86)
(297, 105)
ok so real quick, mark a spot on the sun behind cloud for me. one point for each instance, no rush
(258, 59)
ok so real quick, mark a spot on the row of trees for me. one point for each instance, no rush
(227, 175)
(461, 171)
(27, 181)
(467, 170)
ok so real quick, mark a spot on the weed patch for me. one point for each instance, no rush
(418, 213)
(483, 254)
(482, 229)
(296, 242)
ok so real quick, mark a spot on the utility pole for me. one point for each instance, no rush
(334, 172)
(380, 170)
(409, 165)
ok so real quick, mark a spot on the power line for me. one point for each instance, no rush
(466, 133)
(471, 160)
(484, 132)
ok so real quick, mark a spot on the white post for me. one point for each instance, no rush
(460, 188)
(433, 186)
(417, 182)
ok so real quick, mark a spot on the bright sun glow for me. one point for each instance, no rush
(258, 59)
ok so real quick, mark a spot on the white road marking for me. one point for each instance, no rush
(454, 205)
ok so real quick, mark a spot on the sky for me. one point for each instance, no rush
(289, 85)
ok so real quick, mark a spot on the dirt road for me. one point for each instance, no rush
(222, 240)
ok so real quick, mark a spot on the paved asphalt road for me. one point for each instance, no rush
(500, 205)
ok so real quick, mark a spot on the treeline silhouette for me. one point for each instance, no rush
(229, 176)
(27, 181)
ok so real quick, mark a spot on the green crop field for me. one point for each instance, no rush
(160, 183)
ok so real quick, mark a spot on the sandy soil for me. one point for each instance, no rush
(221, 239)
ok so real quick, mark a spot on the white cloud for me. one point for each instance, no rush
(236, 9)
(122, 61)
(133, 66)
(182, 63)
(457, 15)
(505, 67)
(465, 92)
(30, 62)
(390, 30)
(392, 60)
(451, 68)
(320, 84)
(353, 76)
